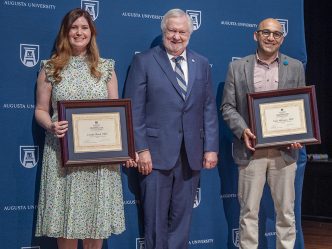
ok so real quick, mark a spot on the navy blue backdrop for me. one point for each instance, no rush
(224, 32)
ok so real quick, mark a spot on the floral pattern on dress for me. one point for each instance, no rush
(78, 202)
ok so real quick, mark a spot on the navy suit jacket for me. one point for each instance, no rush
(162, 119)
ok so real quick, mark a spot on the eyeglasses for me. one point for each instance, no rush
(267, 33)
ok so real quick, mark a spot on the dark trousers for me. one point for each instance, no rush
(167, 198)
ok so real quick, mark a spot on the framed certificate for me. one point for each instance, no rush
(282, 117)
(99, 132)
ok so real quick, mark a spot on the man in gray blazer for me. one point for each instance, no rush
(268, 69)
(176, 130)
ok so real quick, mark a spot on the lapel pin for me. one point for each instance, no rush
(285, 62)
(192, 60)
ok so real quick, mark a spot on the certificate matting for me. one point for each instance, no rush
(99, 132)
(282, 117)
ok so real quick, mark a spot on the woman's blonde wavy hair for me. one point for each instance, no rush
(63, 50)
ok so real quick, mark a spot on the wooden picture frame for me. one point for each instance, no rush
(99, 132)
(282, 117)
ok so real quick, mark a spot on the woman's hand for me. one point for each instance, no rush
(59, 129)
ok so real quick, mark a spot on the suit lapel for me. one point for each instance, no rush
(191, 72)
(162, 59)
(283, 69)
(249, 73)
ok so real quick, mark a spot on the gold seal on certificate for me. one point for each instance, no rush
(99, 132)
(96, 132)
(282, 117)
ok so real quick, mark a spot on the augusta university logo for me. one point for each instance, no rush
(29, 54)
(196, 17)
(197, 199)
(284, 24)
(92, 7)
(236, 237)
(140, 243)
(29, 156)
(236, 58)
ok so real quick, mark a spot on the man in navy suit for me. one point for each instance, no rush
(176, 130)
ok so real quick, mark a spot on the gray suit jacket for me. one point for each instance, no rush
(234, 107)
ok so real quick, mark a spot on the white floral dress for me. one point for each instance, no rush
(79, 202)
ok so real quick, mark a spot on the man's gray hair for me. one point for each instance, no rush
(176, 13)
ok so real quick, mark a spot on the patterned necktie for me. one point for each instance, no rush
(180, 76)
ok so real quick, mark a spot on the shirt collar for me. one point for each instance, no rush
(184, 55)
(262, 62)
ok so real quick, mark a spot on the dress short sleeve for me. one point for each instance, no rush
(48, 70)
(107, 67)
